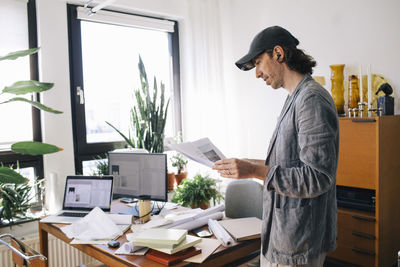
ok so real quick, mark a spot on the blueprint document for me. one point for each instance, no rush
(202, 151)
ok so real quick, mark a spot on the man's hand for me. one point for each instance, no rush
(241, 168)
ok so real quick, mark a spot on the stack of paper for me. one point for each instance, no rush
(169, 241)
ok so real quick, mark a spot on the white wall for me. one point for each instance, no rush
(333, 32)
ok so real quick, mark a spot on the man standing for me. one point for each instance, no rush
(299, 173)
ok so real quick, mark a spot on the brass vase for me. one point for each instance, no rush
(337, 88)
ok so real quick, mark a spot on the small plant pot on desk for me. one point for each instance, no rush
(179, 177)
(202, 205)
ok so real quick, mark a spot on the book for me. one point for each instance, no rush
(190, 241)
(160, 236)
(202, 151)
(168, 259)
(243, 228)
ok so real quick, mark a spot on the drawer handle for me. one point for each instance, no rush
(363, 218)
(364, 120)
(363, 251)
(363, 235)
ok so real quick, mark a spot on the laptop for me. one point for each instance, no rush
(81, 195)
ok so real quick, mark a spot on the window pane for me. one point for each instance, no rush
(16, 117)
(91, 167)
(110, 57)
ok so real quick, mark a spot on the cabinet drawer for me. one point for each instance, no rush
(353, 255)
(354, 221)
(355, 239)
(358, 153)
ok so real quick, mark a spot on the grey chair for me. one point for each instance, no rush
(243, 198)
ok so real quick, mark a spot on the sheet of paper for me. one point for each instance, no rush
(94, 242)
(202, 151)
(94, 226)
(207, 246)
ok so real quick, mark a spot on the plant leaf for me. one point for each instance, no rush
(33, 103)
(123, 136)
(8, 175)
(34, 148)
(30, 86)
(20, 53)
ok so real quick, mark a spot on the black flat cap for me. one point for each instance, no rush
(265, 40)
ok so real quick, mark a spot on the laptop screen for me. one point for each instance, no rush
(88, 192)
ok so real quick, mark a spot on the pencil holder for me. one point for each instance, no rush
(144, 210)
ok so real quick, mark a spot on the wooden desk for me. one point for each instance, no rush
(106, 255)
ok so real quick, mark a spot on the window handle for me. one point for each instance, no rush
(81, 94)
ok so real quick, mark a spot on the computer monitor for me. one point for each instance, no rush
(139, 175)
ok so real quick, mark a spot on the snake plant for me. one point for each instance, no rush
(148, 116)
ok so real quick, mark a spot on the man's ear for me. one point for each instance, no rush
(278, 53)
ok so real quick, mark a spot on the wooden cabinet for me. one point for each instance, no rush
(369, 157)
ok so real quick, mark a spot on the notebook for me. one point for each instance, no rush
(81, 195)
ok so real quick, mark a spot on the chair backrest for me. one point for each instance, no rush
(244, 198)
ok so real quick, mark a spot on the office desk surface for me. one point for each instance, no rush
(106, 255)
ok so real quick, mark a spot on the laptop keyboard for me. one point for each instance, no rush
(73, 214)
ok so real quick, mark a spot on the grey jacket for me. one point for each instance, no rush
(299, 213)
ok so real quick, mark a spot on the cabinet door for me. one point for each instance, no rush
(357, 153)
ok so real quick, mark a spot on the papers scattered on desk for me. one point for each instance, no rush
(93, 228)
(202, 151)
(207, 246)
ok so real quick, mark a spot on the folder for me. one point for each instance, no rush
(243, 228)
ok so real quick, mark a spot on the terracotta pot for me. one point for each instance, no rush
(202, 205)
(179, 177)
(171, 181)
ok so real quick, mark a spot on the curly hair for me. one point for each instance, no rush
(297, 60)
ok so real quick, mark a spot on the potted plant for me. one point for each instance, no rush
(179, 162)
(148, 116)
(14, 188)
(197, 192)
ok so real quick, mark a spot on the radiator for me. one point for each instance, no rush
(60, 253)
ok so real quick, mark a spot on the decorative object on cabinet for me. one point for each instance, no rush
(385, 104)
(337, 88)
(368, 159)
